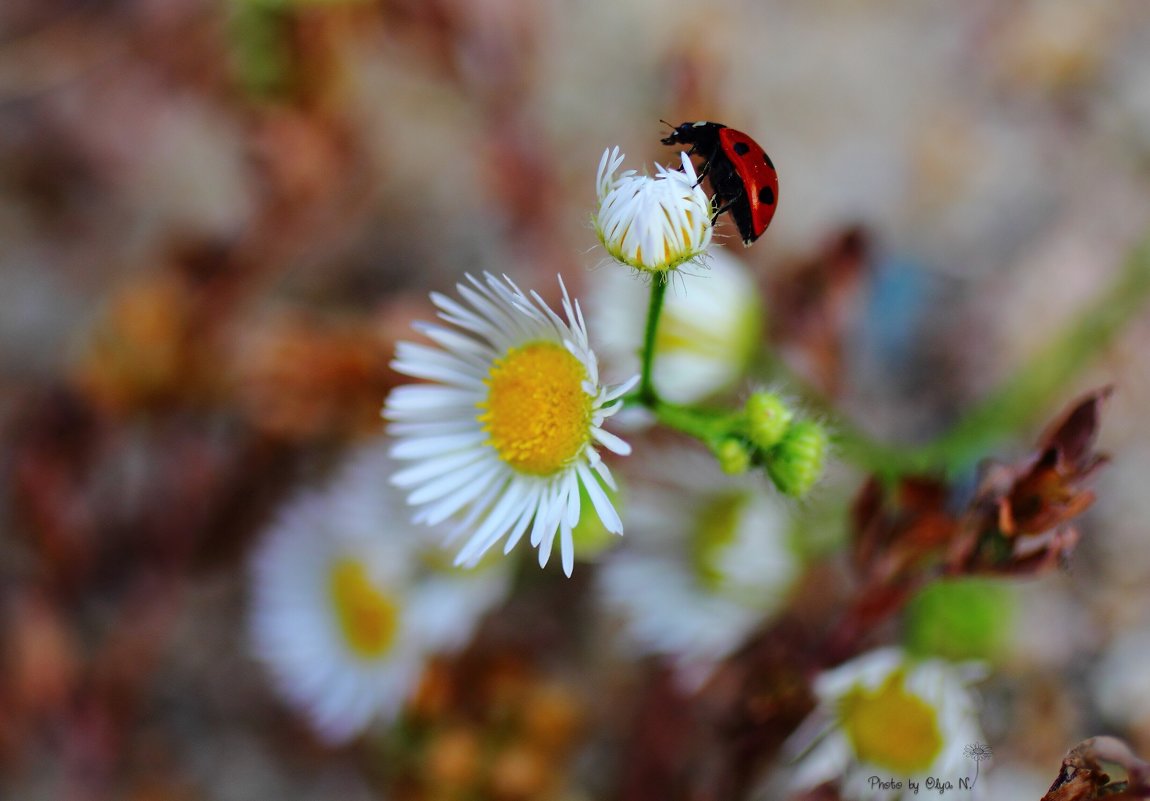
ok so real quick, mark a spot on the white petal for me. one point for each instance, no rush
(611, 442)
(520, 527)
(567, 550)
(424, 470)
(603, 506)
(498, 520)
(439, 511)
(423, 447)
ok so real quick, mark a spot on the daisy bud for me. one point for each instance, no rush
(652, 224)
(733, 456)
(797, 462)
(768, 419)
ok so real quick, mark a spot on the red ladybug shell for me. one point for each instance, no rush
(757, 172)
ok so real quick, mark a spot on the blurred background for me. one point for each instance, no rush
(216, 219)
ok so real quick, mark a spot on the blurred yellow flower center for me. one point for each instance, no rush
(368, 618)
(715, 529)
(891, 728)
(537, 415)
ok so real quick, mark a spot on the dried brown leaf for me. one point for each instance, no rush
(1083, 779)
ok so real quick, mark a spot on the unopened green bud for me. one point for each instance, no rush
(797, 462)
(768, 419)
(733, 456)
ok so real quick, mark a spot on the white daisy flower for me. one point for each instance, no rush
(507, 434)
(653, 224)
(333, 619)
(707, 562)
(889, 716)
(345, 610)
(367, 506)
(708, 332)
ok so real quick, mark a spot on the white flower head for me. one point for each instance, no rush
(367, 506)
(708, 331)
(708, 560)
(886, 714)
(344, 610)
(652, 224)
(333, 619)
(503, 439)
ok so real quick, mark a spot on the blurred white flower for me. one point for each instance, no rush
(507, 434)
(367, 505)
(653, 224)
(708, 332)
(345, 609)
(333, 619)
(707, 561)
(887, 715)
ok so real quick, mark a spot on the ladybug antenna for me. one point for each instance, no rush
(669, 125)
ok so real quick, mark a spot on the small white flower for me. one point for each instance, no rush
(366, 505)
(707, 334)
(344, 611)
(885, 714)
(707, 562)
(653, 224)
(331, 618)
(507, 434)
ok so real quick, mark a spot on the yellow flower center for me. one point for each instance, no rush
(368, 617)
(891, 728)
(537, 415)
(715, 529)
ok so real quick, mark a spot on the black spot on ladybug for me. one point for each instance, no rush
(766, 196)
(741, 148)
(767, 159)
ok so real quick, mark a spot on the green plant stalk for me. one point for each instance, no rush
(646, 393)
(1030, 391)
(710, 426)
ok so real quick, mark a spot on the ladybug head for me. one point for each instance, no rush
(691, 133)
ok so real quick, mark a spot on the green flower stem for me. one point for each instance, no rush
(646, 393)
(1028, 394)
(1030, 391)
(710, 426)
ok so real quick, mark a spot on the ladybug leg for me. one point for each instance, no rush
(704, 168)
(730, 201)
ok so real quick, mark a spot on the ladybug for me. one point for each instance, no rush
(743, 177)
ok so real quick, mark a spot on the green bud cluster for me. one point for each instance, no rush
(768, 419)
(793, 451)
(733, 455)
(797, 462)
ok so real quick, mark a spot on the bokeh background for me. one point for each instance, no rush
(216, 218)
